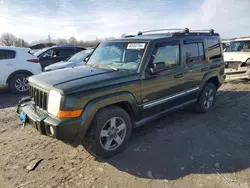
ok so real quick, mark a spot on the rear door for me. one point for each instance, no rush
(215, 53)
(7, 64)
(63, 53)
(167, 89)
(195, 61)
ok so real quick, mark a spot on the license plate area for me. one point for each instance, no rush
(23, 117)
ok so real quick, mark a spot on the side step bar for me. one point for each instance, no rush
(154, 117)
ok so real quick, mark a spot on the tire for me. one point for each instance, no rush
(206, 99)
(102, 123)
(23, 83)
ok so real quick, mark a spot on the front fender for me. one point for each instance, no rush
(93, 106)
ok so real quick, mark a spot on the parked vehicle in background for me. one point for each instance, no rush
(124, 83)
(237, 59)
(225, 44)
(74, 61)
(16, 64)
(48, 56)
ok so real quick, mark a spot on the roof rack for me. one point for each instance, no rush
(204, 30)
(185, 30)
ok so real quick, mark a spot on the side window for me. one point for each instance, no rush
(78, 50)
(169, 54)
(2, 54)
(194, 52)
(213, 48)
(65, 52)
(10, 54)
(48, 53)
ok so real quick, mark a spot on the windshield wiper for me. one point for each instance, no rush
(103, 66)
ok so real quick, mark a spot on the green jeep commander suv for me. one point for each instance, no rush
(125, 82)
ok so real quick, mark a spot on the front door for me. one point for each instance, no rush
(168, 88)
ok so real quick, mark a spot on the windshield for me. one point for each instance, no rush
(119, 55)
(239, 46)
(80, 56)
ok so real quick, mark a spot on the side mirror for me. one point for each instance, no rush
(157, 67)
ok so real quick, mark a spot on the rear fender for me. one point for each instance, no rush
(206, 77)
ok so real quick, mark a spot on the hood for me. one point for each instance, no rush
(61, 64)
(236, 56)
(72, 80)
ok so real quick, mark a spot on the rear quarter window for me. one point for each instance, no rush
(10, 54)
(7, 54)
(2, 54)
(213, 49)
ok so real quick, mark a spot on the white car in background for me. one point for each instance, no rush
(225, 44)
(16, 64)
(237, 59)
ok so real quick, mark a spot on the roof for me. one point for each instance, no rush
(68, 46)
(13, 48)
(242, 39)
(148, 36)
(225, 41)
(180, 33)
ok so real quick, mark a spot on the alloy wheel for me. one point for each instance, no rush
(208, 98)
(21, 84)
(113, 134)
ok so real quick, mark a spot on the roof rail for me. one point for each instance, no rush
(185, 30)
(204, 30)
(157, 30)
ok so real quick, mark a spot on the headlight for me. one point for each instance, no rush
(54, 102)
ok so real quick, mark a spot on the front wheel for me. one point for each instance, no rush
(206, 99)
(109, 132)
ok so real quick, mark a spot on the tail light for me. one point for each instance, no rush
(33, 60)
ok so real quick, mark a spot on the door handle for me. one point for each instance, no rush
(179, 75)
(205, 69)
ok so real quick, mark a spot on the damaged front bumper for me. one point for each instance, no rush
(64, 130)
(237, 70)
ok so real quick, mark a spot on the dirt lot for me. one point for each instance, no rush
(183, 149)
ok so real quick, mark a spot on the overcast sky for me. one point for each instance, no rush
(88, 19)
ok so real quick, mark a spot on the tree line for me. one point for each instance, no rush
(8, 39)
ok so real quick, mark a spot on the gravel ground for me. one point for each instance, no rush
(182, 149)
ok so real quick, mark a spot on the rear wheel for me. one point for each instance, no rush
(207, 98)
(19, 83)
(109, 132)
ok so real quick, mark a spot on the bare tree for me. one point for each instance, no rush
(123, 35)
(72, 41)
(49, 39)
(8, 39)
(61, 41)
(21, 43)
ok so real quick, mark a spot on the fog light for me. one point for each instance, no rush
(50, 130)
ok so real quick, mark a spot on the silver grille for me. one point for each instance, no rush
(39, 97)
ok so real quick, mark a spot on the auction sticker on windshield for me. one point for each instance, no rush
(136, 46)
